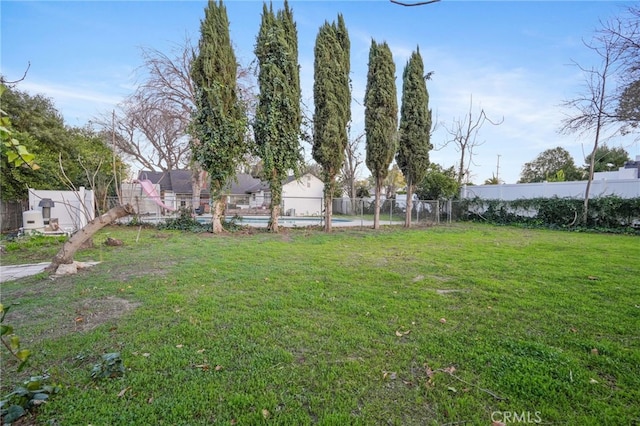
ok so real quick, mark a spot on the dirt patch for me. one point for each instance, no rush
(126, 273)
(449, 291)
(90, 313)
(80, 316)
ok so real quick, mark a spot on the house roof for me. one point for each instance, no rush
(177, 181)
(244, 183)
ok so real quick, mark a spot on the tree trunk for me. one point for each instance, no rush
(196, 185)
(276, 199)
(68, 250)
(585, 212)
(328, 205)
(592, 163)
(217, 212)
(376, 209)
(409, 204)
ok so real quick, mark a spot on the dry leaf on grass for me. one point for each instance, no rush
(443, 320)
(402, 333)
(265, 413)
(429, 371)
(392, 375)
(123, 391)
(450, 370)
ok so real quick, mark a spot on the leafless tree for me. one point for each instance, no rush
(624, 34)
(152, 124)
(594, 110)
(350, 169)
(464, 136)
(151, 134)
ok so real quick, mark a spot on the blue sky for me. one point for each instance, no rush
(512, 57)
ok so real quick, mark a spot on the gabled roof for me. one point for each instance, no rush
(244, 183)
(177, 181)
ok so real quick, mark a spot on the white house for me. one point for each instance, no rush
(300, 197)
(303, 197)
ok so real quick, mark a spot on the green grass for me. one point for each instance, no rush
(309, 328)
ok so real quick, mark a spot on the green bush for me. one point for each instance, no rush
(32, 392)
(610, 213)
(185, 221)
(29, 395)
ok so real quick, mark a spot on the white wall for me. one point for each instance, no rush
(624, 188)
(622, 173)
(73, 209)
(305, 196)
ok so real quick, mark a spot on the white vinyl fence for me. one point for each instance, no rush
(623, 188)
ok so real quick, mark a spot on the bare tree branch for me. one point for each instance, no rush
(421, 3)
(464, 133)
(595, 108)
(353, 161)
(5, 82)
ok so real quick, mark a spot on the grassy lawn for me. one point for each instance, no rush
(462, 324)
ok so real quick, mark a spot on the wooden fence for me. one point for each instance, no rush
(11, 215)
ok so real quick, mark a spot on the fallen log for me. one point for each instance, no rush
(68, 250)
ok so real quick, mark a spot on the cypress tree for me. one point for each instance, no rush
(278, 116)
(332, 100)
(219, 121)
(380, 117)
(415, 128)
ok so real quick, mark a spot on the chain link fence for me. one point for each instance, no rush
(358, 210)
(393, 211)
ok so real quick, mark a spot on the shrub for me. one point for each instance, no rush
(610, 213)
(185, 221)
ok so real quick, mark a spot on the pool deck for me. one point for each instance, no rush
(305, 221)
(285, 221)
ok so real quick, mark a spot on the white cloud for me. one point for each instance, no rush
(82, 102)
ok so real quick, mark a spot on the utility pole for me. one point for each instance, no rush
(498, 170)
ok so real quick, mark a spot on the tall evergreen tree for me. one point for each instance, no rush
(380, 117)
(332, 100)
(278, 116)
(219, 122)
(415, 128)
